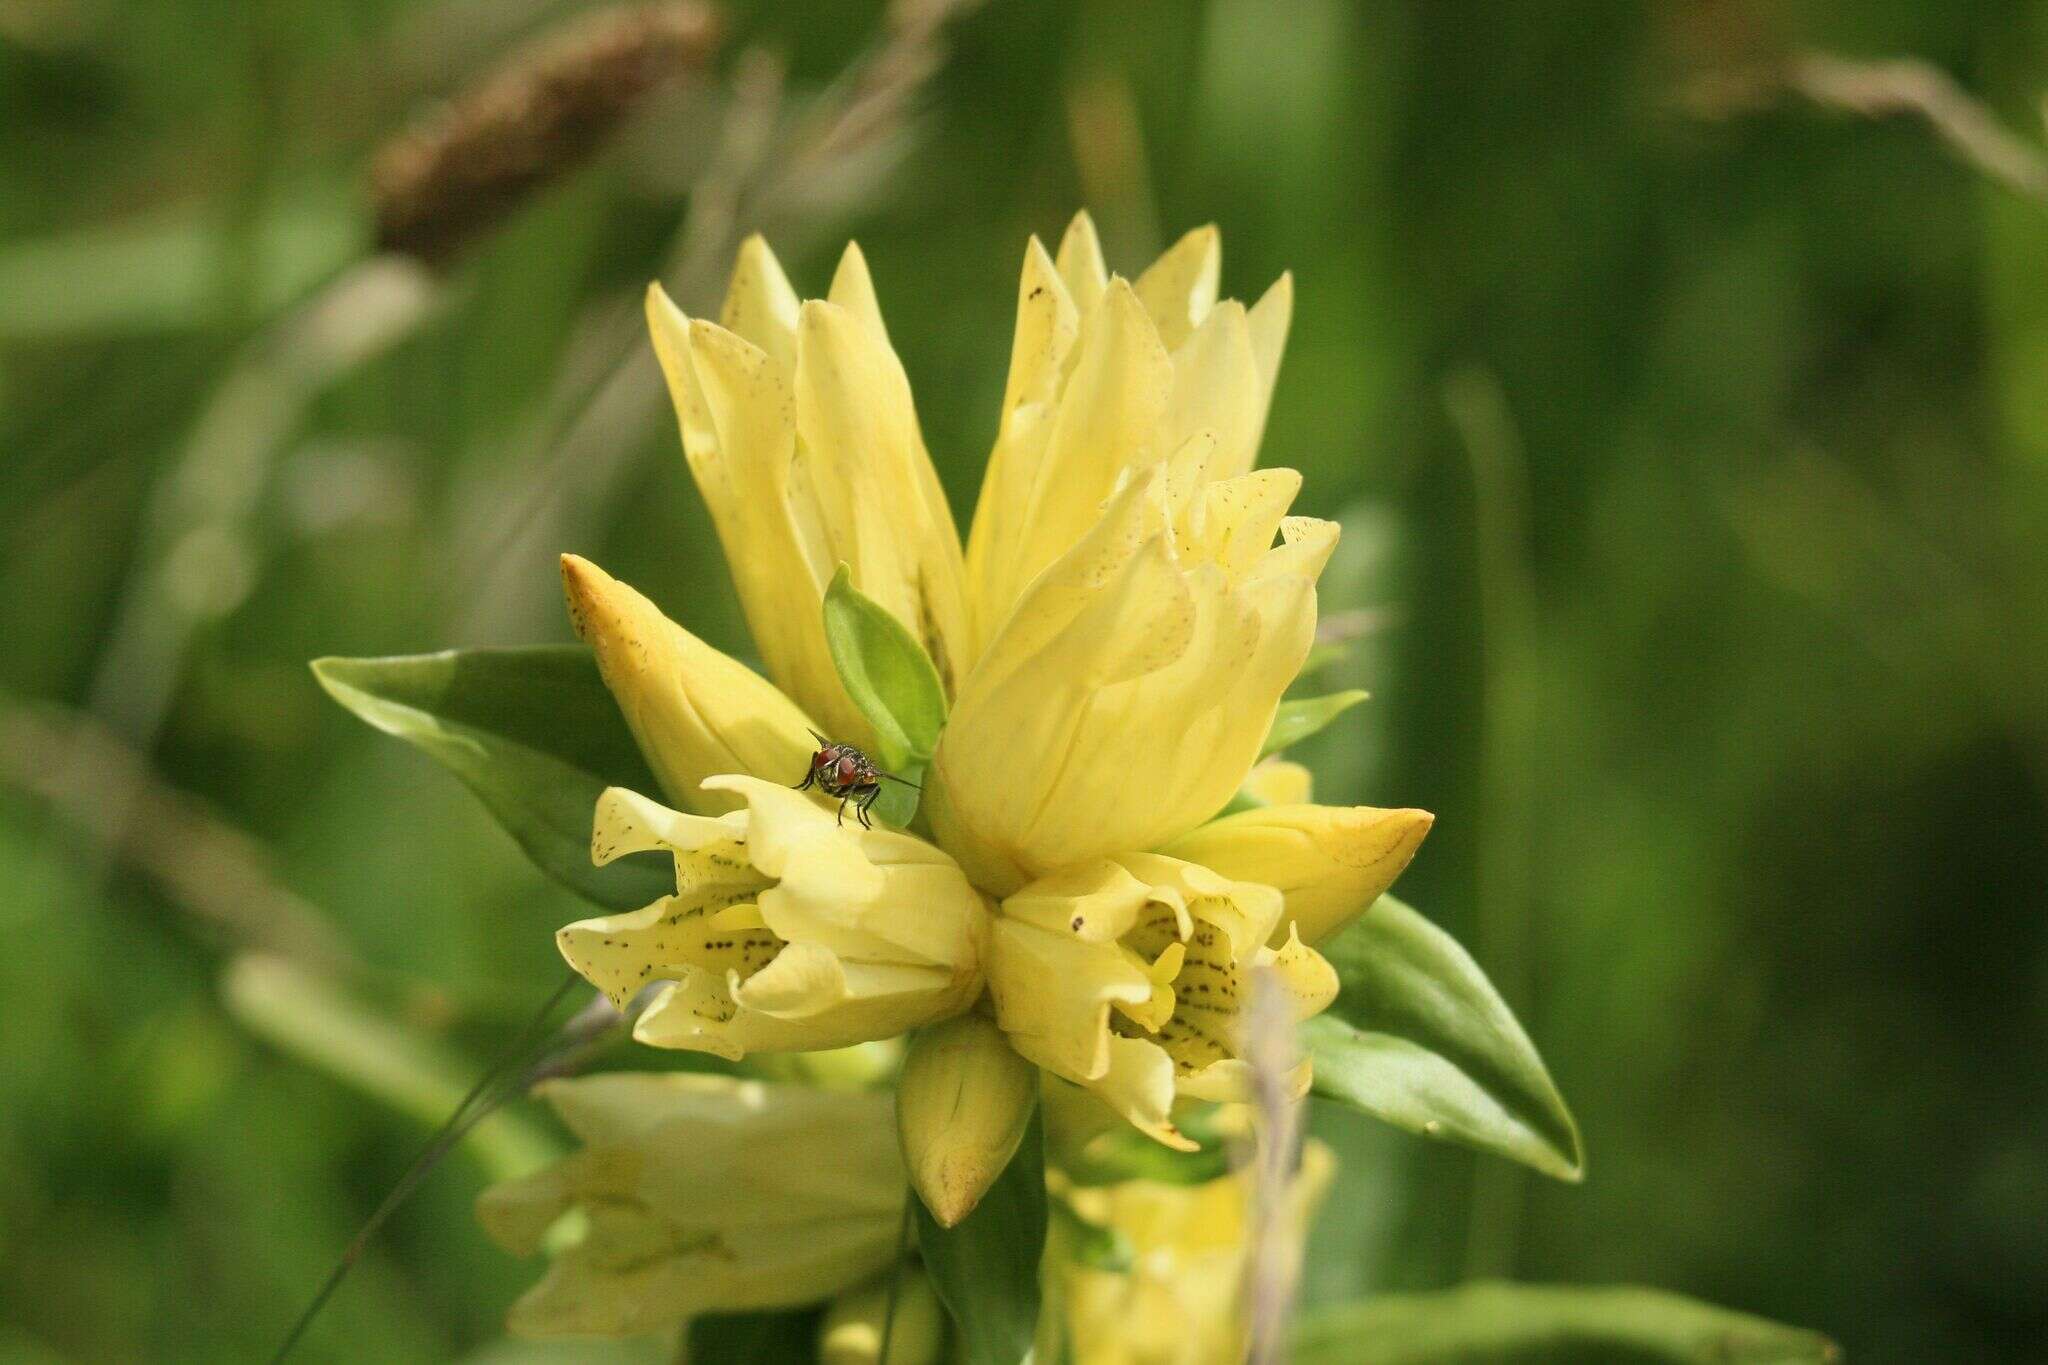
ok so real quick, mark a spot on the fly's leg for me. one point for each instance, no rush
(841, 818)
(868, 799)
(809, 778)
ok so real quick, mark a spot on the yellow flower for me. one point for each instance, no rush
(1133, 601)
(1127, 976)
(1329, 862)
(1105, 377)
(788, 929)
(1179, 1302)
(1129, 692)
(798, 426)
(696, 713)
(701, 1193)
(1135, 624)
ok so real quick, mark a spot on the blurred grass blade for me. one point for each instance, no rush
(1296, 720)
(886, 672)
(1512, 1324)
(986, 1268)
(1419, 1037)
(162, 272)
(316, 1020)
(532, 732)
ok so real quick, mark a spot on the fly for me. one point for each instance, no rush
(843, 771)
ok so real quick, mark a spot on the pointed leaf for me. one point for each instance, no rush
(986, 1267)
(1513, 1324)
(1419, 1037)
(886, 672)
(1296, 720)
(532, 732)
(897, 805)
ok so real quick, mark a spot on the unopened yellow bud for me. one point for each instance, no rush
(854, 1326)
(962, 1105)
(696, 712)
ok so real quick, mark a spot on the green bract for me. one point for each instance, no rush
(532, 732)
(1419, 1037)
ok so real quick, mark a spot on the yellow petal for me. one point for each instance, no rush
(1179, 288)
(799, 428)
(1270, 319)
(1112, 403)
(787, 930)
(1144, 650)
(1279, 782)
(1139, 1084)
(1329, 862)
(1048, 324)
(1052, 994)
(1217, 388)
(880, 505)
(1081, 262)
(760, 304)
(694, 711)
(854, 290)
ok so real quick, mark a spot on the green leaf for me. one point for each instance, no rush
(986, 1268)
(1419, 1037)
(1513, 1324)
(1296, 720)
(897, 805)
(1321, 656)
(789, 1334)
(1118, 1156)
(886, 672)
(532, 732)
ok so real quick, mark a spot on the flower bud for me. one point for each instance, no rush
(962, 1105)
(854, 1326)
(695, 712)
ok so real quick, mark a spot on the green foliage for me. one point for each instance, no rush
(532, 732)
(325, 1025)
(1512, 1324)
(1123, 1153)
(1420, 1038)
(985, 1269)
(1093, 1245)
(1298, 718)
(892, 680)
(790, 1334)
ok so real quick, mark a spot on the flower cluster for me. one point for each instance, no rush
(1112, 642)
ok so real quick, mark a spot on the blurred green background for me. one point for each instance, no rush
(1691, 441)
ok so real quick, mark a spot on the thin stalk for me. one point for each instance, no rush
(895, 1280)
(1503, 925)
(466, 1115)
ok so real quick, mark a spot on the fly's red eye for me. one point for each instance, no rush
(848, 770)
